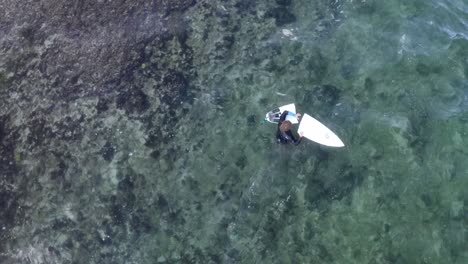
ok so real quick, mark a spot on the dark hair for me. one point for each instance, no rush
(285, 126)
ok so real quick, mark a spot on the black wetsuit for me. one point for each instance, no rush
(285, 137)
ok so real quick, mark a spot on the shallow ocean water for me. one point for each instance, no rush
(388, 77)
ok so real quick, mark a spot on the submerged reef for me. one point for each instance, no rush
(130, 132)
(75, 80)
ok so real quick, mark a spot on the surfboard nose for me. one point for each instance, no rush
(318, 132)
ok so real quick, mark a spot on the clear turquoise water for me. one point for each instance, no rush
(389, 77)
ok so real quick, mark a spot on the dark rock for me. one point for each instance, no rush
(317, 65)
(395, 258)
(284, 2)
(192, 184)
(357, 253)
(263, 101)
(310, 231)
(324, 255)
(175, 85)
(387, 228)
(59, 173)
(155, 139)
(181, 5)
(39, 132)
(425, 70)
(320, 193)
(315, 191)
(108, 151)
(79, 236)
(133, 101)
(125, 200)
(68, 243)
(252, 120)
(349, 182)
(228, 41)
(219, 95)
(62, 223)
(234, 255)
(367, 7)
(162, 202)
(126, 185)
(2, 130)
(199, 256)
(155, 154)
(296, 60)
(8, 139)
(176, 217)
(141, 222)
(117, 214)
(369, 84)
(241, 162)
(281, 15)
(271, 229)
(172, 154)
(323, 97)
(245, 5)
(273, 67)
(216, 258)
(178, 28)
(4, 83)
(102, 105)
(348, 71)
(427, 199)
(53, 250)
(69, 128)
(8, 208)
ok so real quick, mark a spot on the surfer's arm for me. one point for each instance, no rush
(283, 116)
(288, 113)
(294, 114)
(296, 141)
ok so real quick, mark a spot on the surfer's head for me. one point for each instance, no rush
(285, 126)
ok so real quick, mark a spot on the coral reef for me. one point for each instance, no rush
(130, 132)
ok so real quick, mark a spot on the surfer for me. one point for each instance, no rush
(284, 134)
(285, 116)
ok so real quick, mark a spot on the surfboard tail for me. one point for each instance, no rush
(274, 115)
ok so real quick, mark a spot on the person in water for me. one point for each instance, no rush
(284, 134)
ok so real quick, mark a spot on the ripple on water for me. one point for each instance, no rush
(452, 18)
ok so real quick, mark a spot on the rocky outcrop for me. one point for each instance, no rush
(66, 68)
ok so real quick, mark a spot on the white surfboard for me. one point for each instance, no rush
(274, 115)
(317, 132)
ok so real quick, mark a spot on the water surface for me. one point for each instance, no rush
(163, 156)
